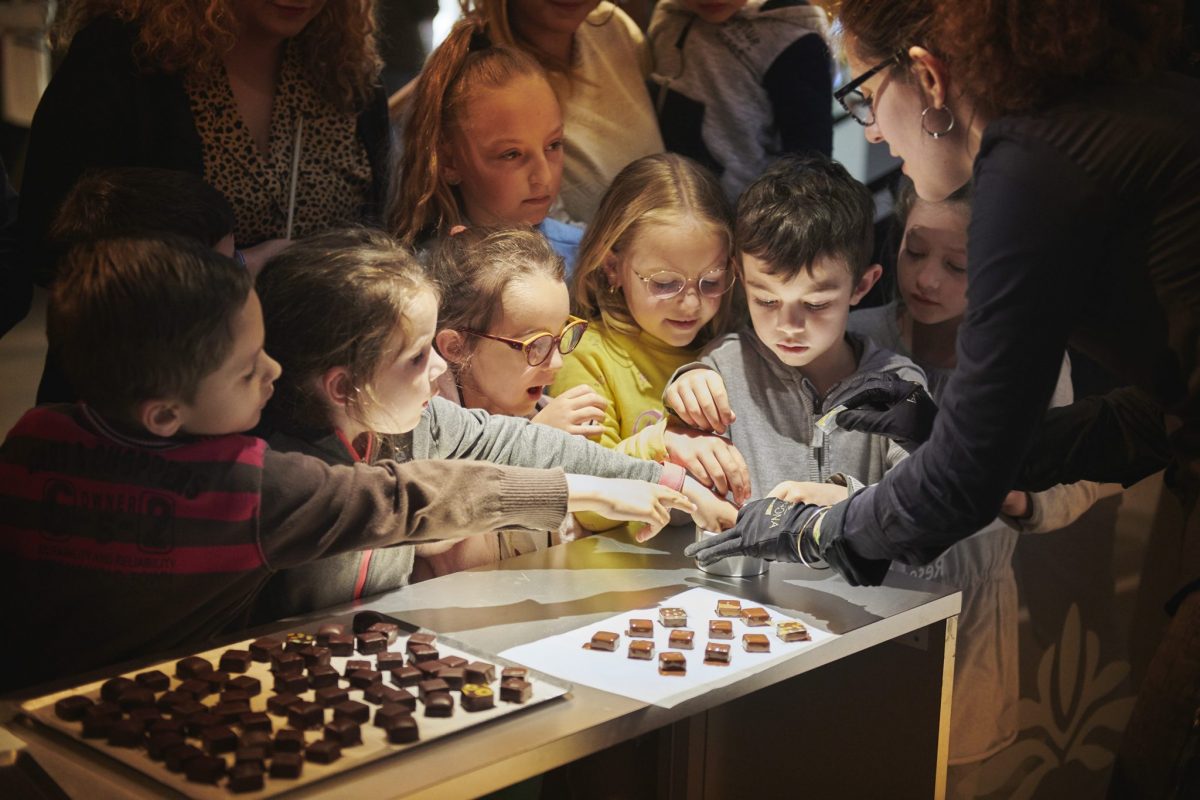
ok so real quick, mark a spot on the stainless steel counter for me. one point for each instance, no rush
(878, 694)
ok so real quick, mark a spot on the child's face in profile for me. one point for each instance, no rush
(660, 258)
(231, 398)
(931, 269)
(714, 11)
(498, 377)
(802, 318)
(404, 382)
(506, 156)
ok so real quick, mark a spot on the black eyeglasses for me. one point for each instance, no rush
(537, 347)
(851, 99)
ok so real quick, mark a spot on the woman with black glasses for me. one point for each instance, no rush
(1086, 228)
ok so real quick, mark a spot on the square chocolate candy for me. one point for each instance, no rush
(371, 642)
(756, 617)
(389, 712)
(454, 661)
(431, 686)
(331, 696)
(290, 682)
(246, 777)
(401, 730)
(756, 643)
(72, 708)
(603, 640)
(340, 644)
(454, 676)
(716, 655)
(314, 654)
(477, 697)
(245, 683)
(388, 661)
(304, 715)
(424, 639)
(328, 630)
(288, 740)
(154, 680)
(362, 678)
(641, 649)
(517, 672)
(353, 711)
(406, 676)
(204, 769)
(286, 765)
(345, 732)
(389, 629)
(517, 690)
(430, 669)
(720, 629)
(480, 672)
(729, 608)
(439, 704)
(287, 662)
(420, 653)
(681, 639)
(325, 751)
(191, 667)
(672, 617)
(640, 629)
(263, 649)
(792, 631)
(672, 663)
(235, 661)
(113, 688)
(321, 676)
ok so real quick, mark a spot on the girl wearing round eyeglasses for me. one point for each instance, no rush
(654, 280)
(1086, 229)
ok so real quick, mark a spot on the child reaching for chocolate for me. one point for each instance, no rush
(654, 281)
(483, 144)
(360, 388)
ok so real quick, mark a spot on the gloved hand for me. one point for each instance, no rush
(765, 529)
(890, 406)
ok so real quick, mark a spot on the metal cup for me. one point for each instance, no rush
(733, 567)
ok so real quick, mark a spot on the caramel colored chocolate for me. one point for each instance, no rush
(641, 649)
(716, 655)
(517, 690)
(476, 697)
(353, 711)
(263, 649)
(406, 676)
(155, 680)
(729, 608)
(390, 712)
(345, 732)
(286, 765)
(72, 708)
(235, 661)
(672, 617)
(288, 740)
(681, 639)
(371, 642)
(720, 629)
(755, 617)
(439, 704)
(204, 769)
(306, 715)
(604, 640)
(756, 643)
(322, 676)
(191, 667)
(480, 672)
(640, 629)
(246, 777)
(792, 631)
(325, 751)
(672, 663)
(402, 730)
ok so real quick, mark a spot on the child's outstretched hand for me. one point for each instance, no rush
(624, 499)
(578, 410)
(817, 494)
(712, 513)
(713, 461)
(698, 398)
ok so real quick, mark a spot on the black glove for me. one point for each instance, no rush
(890, 406)
(765, 529)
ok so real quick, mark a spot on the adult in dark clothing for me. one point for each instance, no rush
(1085, 228)
(16, 289)
(218, 88)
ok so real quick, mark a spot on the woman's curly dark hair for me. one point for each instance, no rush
(1014, 56)
(338, 48)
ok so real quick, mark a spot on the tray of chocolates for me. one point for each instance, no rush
(274, 713)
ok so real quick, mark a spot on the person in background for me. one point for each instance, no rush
(361, 391)
(598, 64)
(16, 286)
(483, 144)
(738, 83)
(403, 38)
(1085, 228)
(277, 107)
(654, 282)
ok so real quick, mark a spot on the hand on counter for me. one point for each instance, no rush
(621, 499)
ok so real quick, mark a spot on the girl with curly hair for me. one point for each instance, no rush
(277, 105)
(1085, 229)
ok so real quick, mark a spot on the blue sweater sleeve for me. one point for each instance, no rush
(1039, 228)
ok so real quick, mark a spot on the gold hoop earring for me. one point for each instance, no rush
(949, 125)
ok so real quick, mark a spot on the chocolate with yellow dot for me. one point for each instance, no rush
(792, 631)
(477, 697)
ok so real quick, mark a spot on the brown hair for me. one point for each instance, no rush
(804, 208)
(1014, 56)
(369, 281)
(338, 48)
(660, 189)
(476, 266)
(466, 63)
(143, 318)
(907, 197)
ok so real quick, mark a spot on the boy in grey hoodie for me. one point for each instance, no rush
(803, 238)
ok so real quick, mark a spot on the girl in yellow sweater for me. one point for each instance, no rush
(654, 280)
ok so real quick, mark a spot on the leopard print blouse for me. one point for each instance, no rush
(334, 181)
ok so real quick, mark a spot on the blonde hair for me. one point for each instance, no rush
(371, 280)
(466, 63)
(338, 48)
(661, 189)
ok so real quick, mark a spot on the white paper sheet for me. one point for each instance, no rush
(564, 655)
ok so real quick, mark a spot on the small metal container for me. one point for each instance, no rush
(734, 567)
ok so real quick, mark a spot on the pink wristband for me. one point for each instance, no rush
(672, 476)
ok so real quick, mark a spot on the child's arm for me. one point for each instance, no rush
(714, 461)
(585, 367)
(697, 395)
(1059, 506)
(577, 411)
